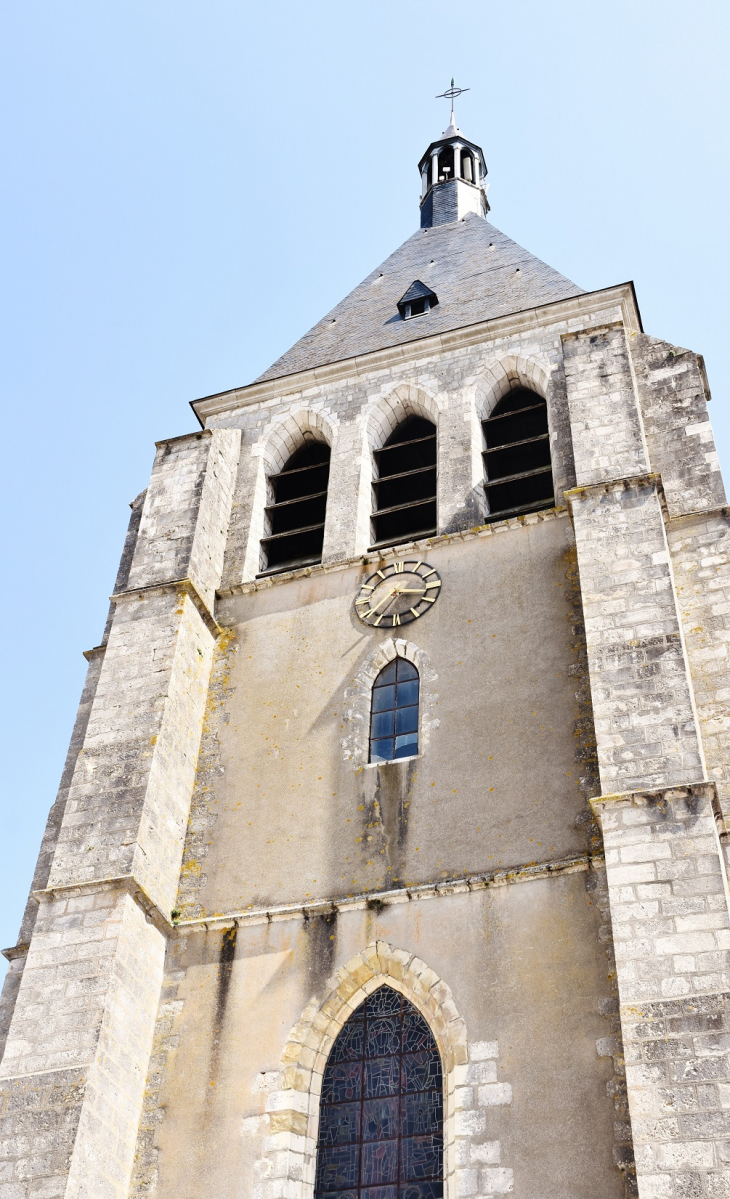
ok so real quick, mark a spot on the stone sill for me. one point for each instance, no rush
(396, 551)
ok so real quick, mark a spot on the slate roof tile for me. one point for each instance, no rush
(477, 272)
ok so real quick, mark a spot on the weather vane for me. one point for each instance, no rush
(450, 94)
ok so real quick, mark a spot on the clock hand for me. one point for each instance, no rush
(384, 600)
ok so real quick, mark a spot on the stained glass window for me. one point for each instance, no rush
(381, 1114)
(394, 712)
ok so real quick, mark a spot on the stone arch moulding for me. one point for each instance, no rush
(382, 415)
(386, 413)
(358, 697)
(504, 374)
(293, 1110)
(279, 440)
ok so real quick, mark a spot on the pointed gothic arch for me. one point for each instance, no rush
(381, 1106)
(381, 420)
(513, 370)
(280, 440)
(295, 1108)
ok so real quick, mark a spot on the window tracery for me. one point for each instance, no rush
(381, 1110)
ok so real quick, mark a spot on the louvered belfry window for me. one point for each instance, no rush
(296, 512)
(381, 1109)
(518, 468)
(404, 489)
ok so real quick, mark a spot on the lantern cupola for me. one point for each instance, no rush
(453, 171)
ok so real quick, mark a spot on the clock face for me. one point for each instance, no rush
(398, 593)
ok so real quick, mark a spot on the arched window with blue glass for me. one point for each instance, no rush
(394, 712)
(381, 1109)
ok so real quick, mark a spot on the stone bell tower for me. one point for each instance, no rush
(388, 860)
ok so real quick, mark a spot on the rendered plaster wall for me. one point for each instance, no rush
(286, 807)
(527, 967)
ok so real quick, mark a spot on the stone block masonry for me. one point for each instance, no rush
(700, 548)
(646, 729)
(671, 934)
(83, 1024)
(673, 394)
(657, 654)
(605, 421)
(89, 992)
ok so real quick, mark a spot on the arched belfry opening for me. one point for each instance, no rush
(295, 513)
(404, 486)
(381, 1110)
(518, 467)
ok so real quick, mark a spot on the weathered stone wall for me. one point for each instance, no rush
(671, 934)
(353, 412)
(287, 807)
(89, 992)
(86, 947)
(287, 811)
(249, 1014)
(672, 394)
(665, 868)
(701, 557)
(646, 729)
(605, 420)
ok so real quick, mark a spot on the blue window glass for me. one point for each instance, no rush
(381, 1119)
(394, 712)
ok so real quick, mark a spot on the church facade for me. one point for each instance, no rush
(388, 860)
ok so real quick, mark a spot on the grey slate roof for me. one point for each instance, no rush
(477, 273)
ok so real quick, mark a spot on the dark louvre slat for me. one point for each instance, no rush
(510, 445)
(418, 470)
(525, 474)
(429, 499)
(406, 537)
(399, 445)
(299, 470)
(300, 499)
(533, 507)
(292, 532)
(517, 412)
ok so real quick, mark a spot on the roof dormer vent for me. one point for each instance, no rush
(418, 300)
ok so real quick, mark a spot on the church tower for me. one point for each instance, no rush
(388, 861)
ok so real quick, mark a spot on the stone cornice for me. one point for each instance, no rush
(529, 872)
(121, 882)
(394, 551)
(702, 787)
(698, 515)
(186, 586)
(580, 863)
(16, 951)
(584, 305)
(96, 651)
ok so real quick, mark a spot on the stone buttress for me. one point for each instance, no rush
(646, 482)
(79, 1041)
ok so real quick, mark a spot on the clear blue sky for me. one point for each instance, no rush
(188, 186)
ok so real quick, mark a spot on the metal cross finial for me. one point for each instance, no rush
(450, 94)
